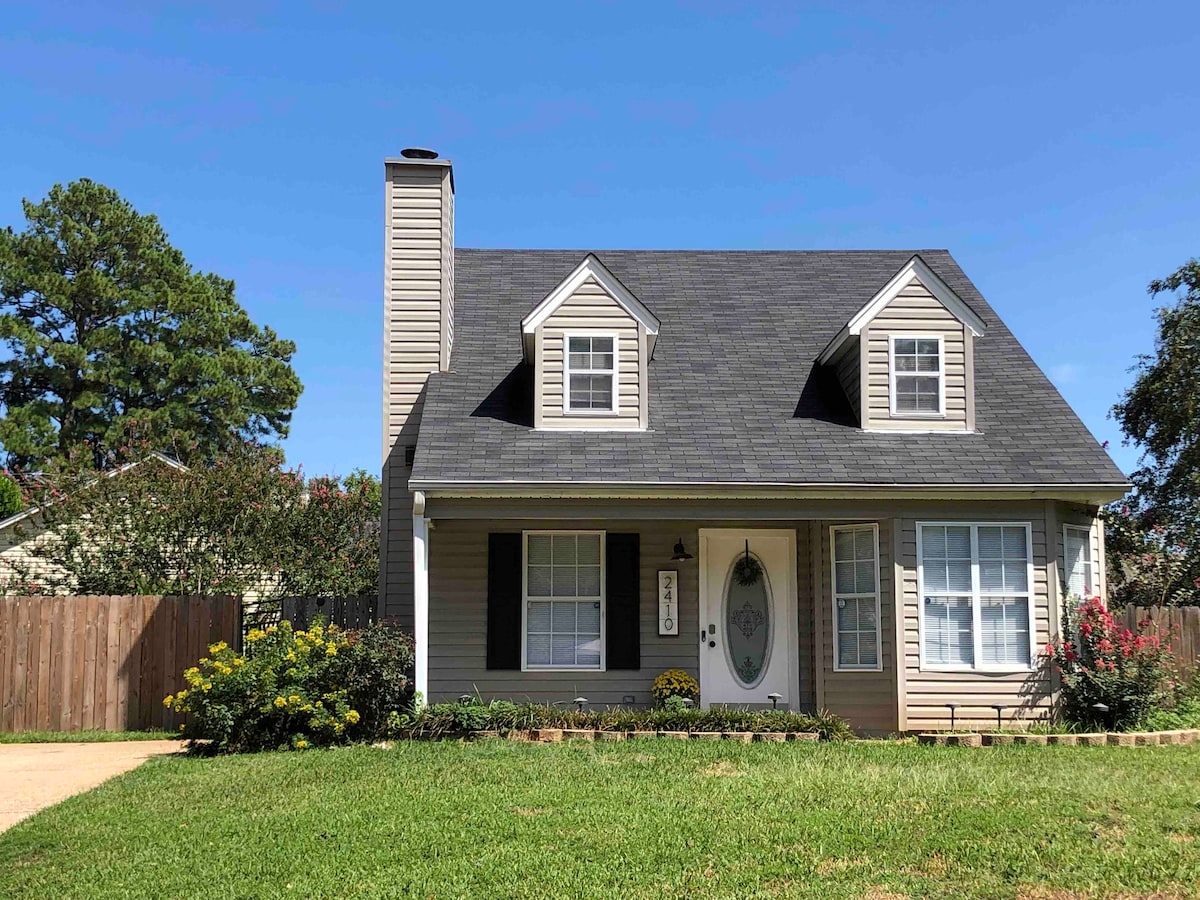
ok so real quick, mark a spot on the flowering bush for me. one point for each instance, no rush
(675, 683)
(291, 689)
(1112, 678)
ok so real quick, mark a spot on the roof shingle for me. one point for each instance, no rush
(734, 395)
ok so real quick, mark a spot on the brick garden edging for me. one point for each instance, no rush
(556, 735)
(1096, 739)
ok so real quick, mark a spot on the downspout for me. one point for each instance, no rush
(421, 597)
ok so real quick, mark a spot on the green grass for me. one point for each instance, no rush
(643, 819)
(83, 737)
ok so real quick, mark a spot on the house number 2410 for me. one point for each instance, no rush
(668, 602)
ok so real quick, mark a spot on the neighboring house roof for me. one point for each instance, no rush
(153, 454)
(735, 395)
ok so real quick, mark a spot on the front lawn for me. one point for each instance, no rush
(643, 819)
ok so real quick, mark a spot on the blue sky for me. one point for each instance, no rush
(1051, 147)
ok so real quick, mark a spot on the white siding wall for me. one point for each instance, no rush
(590, 308)
(915, 311)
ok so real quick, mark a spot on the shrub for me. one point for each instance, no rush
(296, 689)
(374, 668)
(1108, 666)
(456, 719)
(675, 683)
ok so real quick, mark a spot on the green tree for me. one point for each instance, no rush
(1154, 536)
(11, 500)
(106, 323)
(241, 523)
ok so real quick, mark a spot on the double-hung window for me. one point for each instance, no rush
(917, 372)
(591, 374)
(1080, 567)
(856, 639)
(564, 599)
(976, 596)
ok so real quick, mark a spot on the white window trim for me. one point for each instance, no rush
(1086, 531)
(833, 530)
(976, 594)
(941, 376)
(568, 372)
(526, 599)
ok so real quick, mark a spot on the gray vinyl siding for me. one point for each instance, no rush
(589, 308)
(915, 311)
(1028, 695)
(458, 618)
(868, 699)
(900, 698)
(849, 375)
(418, 336)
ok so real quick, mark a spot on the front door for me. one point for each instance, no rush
(748, 616)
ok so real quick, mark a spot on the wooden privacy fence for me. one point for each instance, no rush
(83, 663)
(1184, 620)
(344, 612)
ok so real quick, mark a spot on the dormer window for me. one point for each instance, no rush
(917, 376)
(591, 374)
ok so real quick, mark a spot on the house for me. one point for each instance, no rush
(822, 479)
(22, 570)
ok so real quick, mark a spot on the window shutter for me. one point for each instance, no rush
(504, 601)
(622, 583)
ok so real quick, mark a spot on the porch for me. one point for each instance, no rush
(835, 622)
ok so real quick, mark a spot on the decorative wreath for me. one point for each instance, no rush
(747, 570)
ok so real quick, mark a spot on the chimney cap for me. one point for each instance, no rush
(418, 153)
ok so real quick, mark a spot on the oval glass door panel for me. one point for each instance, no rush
(748, 624)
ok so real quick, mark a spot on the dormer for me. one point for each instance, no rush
(906, 359)
(590, 342)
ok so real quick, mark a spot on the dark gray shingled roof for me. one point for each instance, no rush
(734, 396)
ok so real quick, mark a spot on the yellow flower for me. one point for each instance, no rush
(352, 717)
(168, 700)
(238, 661)
(301, 745)
(179, 697)
(182, 726)
(331, 650)
(291, 656)
(217, 647)
(255, 635)
(280, 703)
(293, 699)
(207, 686)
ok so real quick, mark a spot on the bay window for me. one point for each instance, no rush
(976, 589)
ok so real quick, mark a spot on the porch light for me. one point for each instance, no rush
(687, 702)
(465, 699)
(680, 552)
(774, 698)
(580, 702)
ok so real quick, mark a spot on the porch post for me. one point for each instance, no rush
(421, 597)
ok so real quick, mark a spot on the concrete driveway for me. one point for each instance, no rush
(39, 775)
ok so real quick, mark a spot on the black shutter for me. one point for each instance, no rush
(504, 601)
(622, 581)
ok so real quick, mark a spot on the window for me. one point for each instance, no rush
(976, 596)
(564, 599)
(916, 374)
(856, 643)
(1080, 568)
(591, 374)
